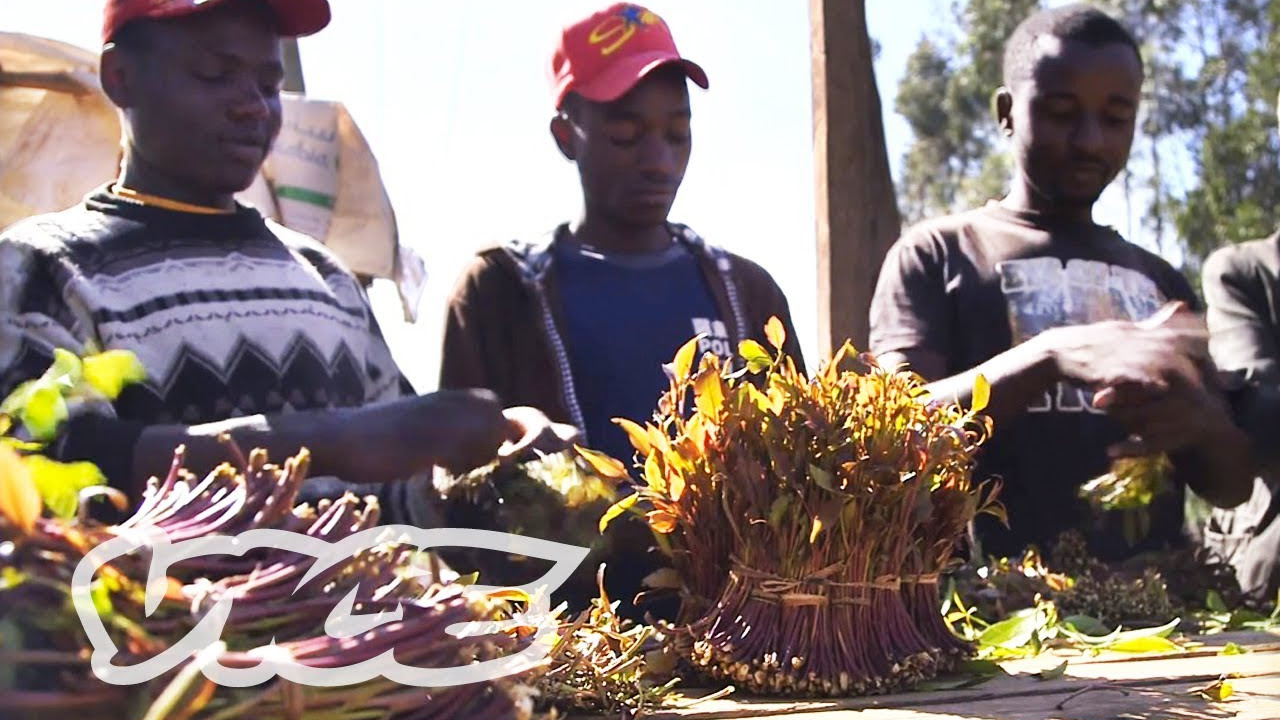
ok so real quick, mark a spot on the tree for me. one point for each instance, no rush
(956, 159)
(1213, 68)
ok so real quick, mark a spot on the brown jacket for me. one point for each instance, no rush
(503, 330)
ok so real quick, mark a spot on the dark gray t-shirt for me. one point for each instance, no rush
(972, 285)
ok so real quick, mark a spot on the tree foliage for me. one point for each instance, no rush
(1205, 168)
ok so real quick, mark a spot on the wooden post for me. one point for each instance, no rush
(857, 210)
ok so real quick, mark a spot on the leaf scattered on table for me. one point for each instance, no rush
(1053, 673)
(1216, 691)
(1149, 644)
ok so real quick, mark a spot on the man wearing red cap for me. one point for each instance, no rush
(242, 325)
(580, 322)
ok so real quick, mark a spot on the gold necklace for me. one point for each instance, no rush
(166, 203)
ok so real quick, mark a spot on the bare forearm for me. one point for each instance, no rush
(1220, 467)
(1017, 376)
(459, 430)
(280, 435)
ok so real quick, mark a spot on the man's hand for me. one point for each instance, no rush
(531, 432)
(1181, 417)
(458, 430)
(1148, 356)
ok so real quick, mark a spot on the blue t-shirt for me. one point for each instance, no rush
(625, 316)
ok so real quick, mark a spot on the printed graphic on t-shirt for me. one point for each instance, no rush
(716, 338)
(1043, 293)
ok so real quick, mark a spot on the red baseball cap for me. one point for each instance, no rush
(605, 55)
(293, 17)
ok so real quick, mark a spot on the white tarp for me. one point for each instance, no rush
(57, 145)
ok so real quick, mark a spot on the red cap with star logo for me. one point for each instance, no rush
(293, 17)
(602, 57)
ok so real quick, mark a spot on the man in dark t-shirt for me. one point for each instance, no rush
(1070, 323)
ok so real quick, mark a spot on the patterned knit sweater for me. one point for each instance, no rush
(231, 315)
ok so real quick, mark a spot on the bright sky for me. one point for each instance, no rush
(453, 98)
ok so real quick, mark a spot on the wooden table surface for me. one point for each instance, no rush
(1110, 686)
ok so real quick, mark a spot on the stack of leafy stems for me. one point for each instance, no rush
(269, 608)
(808, 519)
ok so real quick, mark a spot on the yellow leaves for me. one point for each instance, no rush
(617, 509)
(695, 432)
(173, 590)
(777, 400)
(677, 486)
(657, 441)
(20, 500)
(661, 521)
(653, 474)
(638, 436)
(1217, 691)
(832, 370)
(757, 398)
(775, 333)
(709, 392)
(816, 530)
(606, 466)
(981, 394)
(684, 359)
(513, 595)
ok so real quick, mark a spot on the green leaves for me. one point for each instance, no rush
(30, 483)
(971, 674)
(112, 370)
(1028, 631)
(1053, 673)
(41, 404)
(60, 484)
(822, 478)
(40, 407)
(1141, 640)
(1013, 633)
(1085, 625)
(778, 511)
(758, 359)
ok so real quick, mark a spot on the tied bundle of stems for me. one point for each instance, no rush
(45, 654)
(808, 519)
